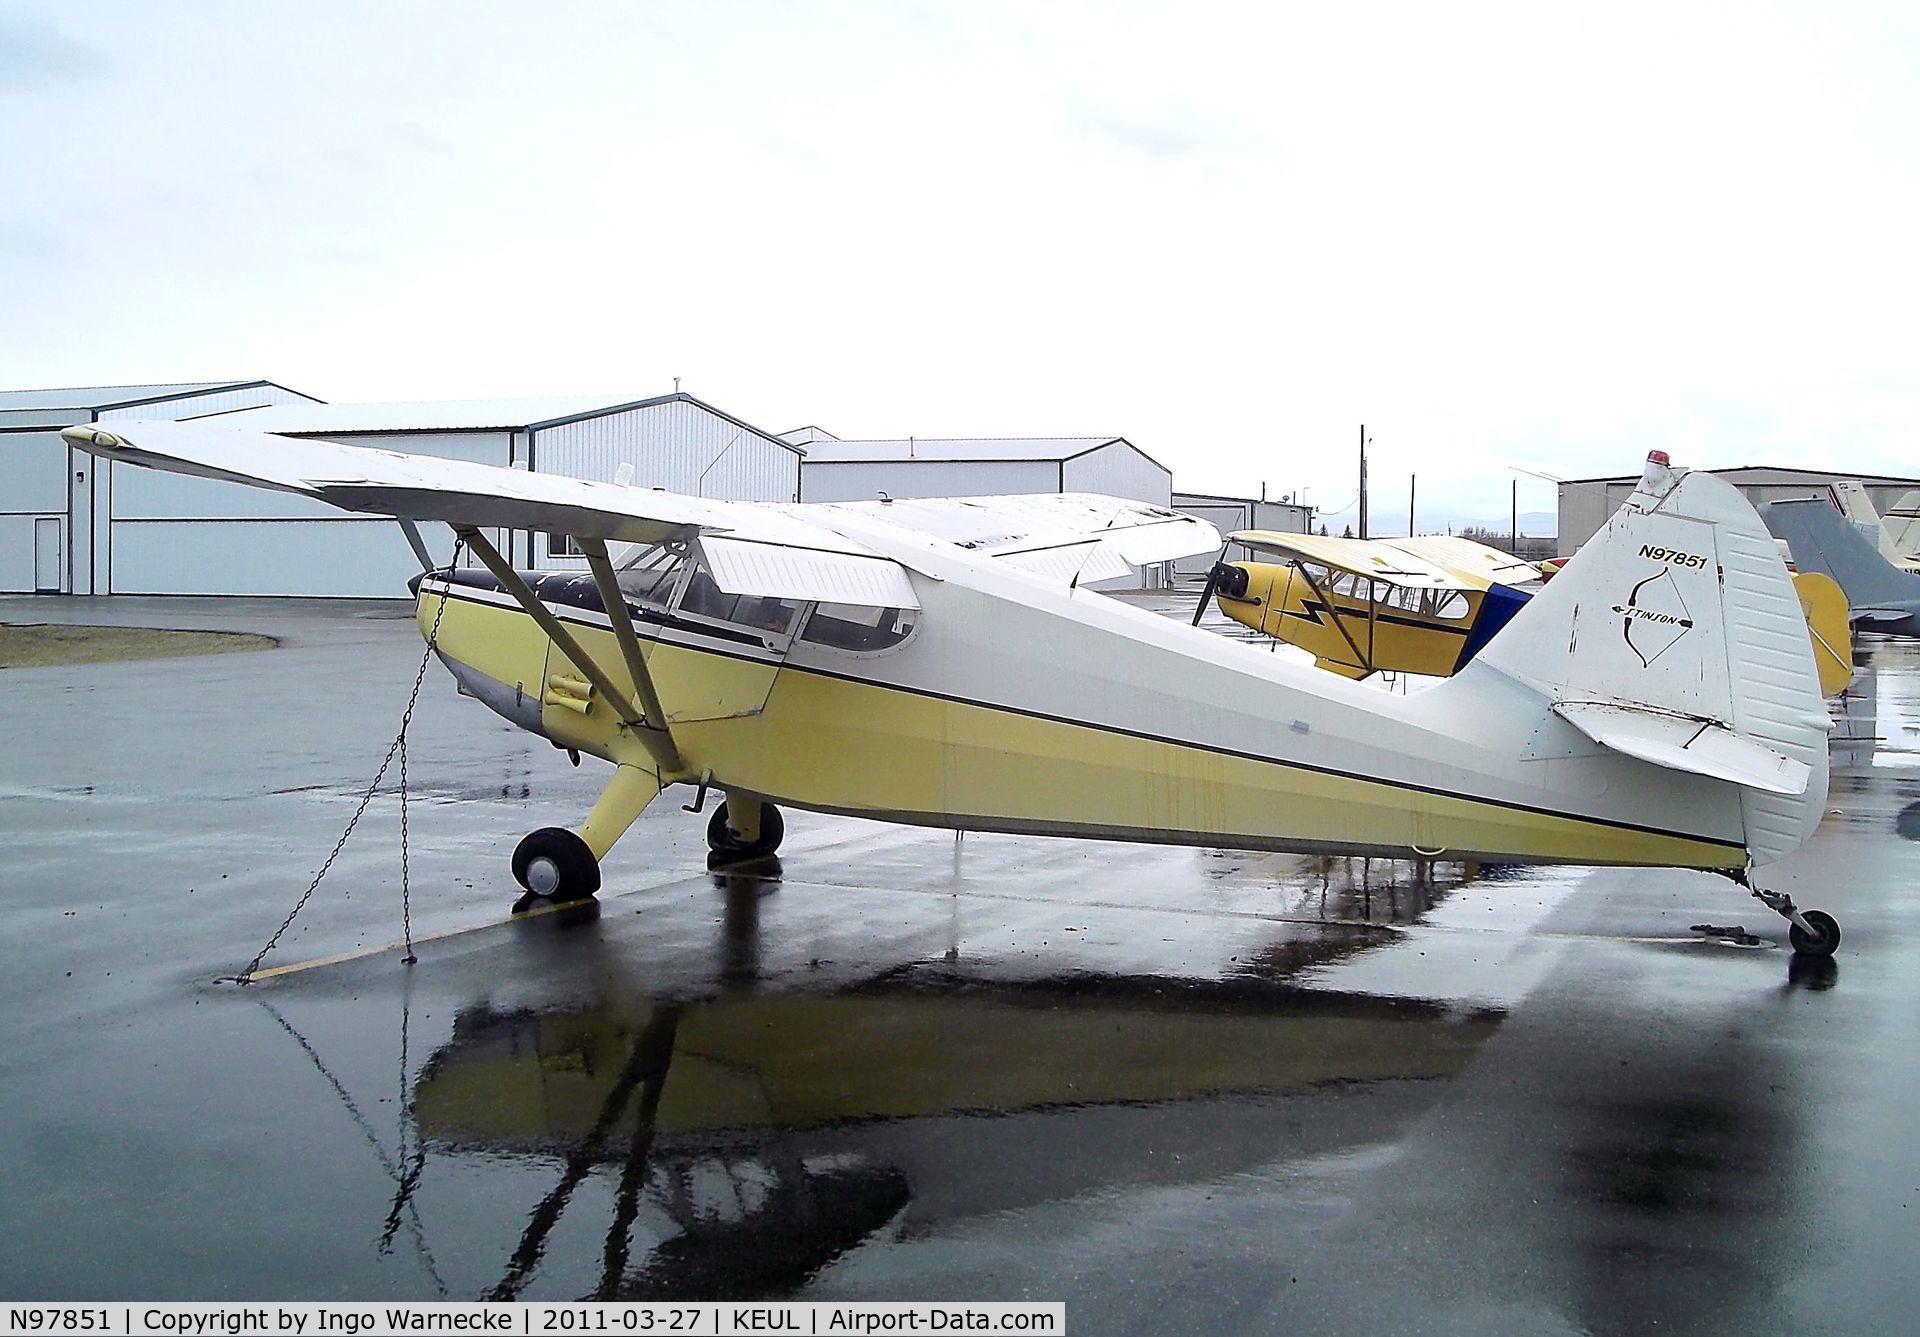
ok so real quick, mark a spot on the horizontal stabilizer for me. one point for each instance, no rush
(1685, 744)
(1880, 615)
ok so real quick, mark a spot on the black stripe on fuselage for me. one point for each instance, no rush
(1311, 768)
(1314, 607)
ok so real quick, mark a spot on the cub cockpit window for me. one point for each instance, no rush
(858, 628)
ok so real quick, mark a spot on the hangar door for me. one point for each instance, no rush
(176, 534)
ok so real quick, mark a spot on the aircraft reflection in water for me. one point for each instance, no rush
(758, 1136)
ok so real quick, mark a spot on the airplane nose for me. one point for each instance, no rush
(413, 585)
(1230, 580)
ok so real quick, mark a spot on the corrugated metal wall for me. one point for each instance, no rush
(33, 488)
(173, 534)
(926, 478)
(678, 446)
(345, 557)
(125, 495)
(1225, 516)
(45, 480)
(1118, 470)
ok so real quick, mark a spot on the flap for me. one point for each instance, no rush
(743, 566)
(1684, 744)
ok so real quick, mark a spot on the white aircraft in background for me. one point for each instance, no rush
(938, 662)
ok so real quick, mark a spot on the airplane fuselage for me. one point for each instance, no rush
(1089, 717)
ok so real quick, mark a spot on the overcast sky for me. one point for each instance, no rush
(1538, 234)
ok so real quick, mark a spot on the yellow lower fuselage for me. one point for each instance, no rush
(836, 740)
(1350, 634)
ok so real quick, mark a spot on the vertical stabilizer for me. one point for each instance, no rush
(1824, 542)
(1675, 636)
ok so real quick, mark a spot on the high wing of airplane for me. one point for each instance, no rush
(1884, 598)
(1896, 534)
(1362, 606)
(939, 663)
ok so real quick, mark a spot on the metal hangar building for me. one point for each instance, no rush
(845, 470)
(66, 519)
(837, 470)
(1588, 503)
(172, 534)
(1228, 514)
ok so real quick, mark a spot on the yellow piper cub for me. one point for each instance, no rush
(1362, 606)
(1428, 605)
(941, 663)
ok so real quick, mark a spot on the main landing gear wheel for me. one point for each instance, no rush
(1806, 944)
(726, 843)
(555, 863)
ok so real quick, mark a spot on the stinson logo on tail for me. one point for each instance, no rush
(1655, 616)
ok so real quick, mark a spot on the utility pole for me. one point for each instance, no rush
(1413, 484)
(1363, 480)
(1515, 522)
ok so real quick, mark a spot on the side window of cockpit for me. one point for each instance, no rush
(708, 599)
(703, 598)
(650, 574)
(1452, 605)
(858, 628)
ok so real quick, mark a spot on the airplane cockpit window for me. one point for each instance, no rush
(651, 573)
(857, 627)
(703, 598)
(1405, 599)
(707, 599)
(1448, 604)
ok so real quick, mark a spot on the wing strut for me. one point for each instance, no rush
(1339, 623)
(656, 740)
(615, 602)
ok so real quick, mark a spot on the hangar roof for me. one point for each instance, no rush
(115, 396)
(1005, 449)
(461, 415)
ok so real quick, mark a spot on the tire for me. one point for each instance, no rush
(722, 841)
(578, 871)
(1805, 944)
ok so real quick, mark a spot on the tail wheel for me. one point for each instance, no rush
(555, 863)
(1805, 944)
(722, 840)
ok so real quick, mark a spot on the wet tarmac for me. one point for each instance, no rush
(1178, 1089)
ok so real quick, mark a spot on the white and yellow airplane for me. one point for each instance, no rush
(938, 663)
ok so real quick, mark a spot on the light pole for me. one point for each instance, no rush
(1363, 480)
